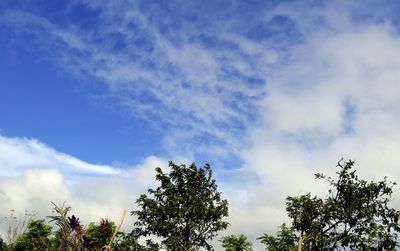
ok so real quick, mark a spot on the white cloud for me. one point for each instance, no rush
(33, 174)
(338, 97)
(19, 154)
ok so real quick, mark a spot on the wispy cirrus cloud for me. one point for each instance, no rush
(20, 154)
(202, 84)
(206, 83)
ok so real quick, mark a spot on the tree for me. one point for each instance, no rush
(36, 237)
(285, 239)
(354, 216)
(236, 243)
(186, 210)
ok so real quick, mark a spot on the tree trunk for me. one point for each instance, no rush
(300, 243)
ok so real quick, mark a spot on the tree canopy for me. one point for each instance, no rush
(186, 210)
(35, 238)
(356, 214)
(285, 239)
(236, 243)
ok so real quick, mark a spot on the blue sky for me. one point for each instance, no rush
(47, 106)
(95, 94)
(45, 44)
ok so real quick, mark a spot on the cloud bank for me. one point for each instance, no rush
(40, 175)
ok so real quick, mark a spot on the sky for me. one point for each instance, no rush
(95, 94)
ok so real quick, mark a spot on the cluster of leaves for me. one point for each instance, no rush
(35, 238)
(69, 235)
(99, 235)
(285, 239)
(236, 243)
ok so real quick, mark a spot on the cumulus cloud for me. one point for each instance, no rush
(33, 175)
(338, 97)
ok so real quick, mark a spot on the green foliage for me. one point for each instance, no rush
(70, 232)
(129, 242)
(236, 243)
(355, 215)
(186, 210)
(60, 219)
(36, 238)
(285, 239)
(70, 235)
(99, 235)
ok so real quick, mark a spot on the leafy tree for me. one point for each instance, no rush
(285, 239)
(354, 216)
(186, 210)
(99, 235)
(36, 237)
(236, 243)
